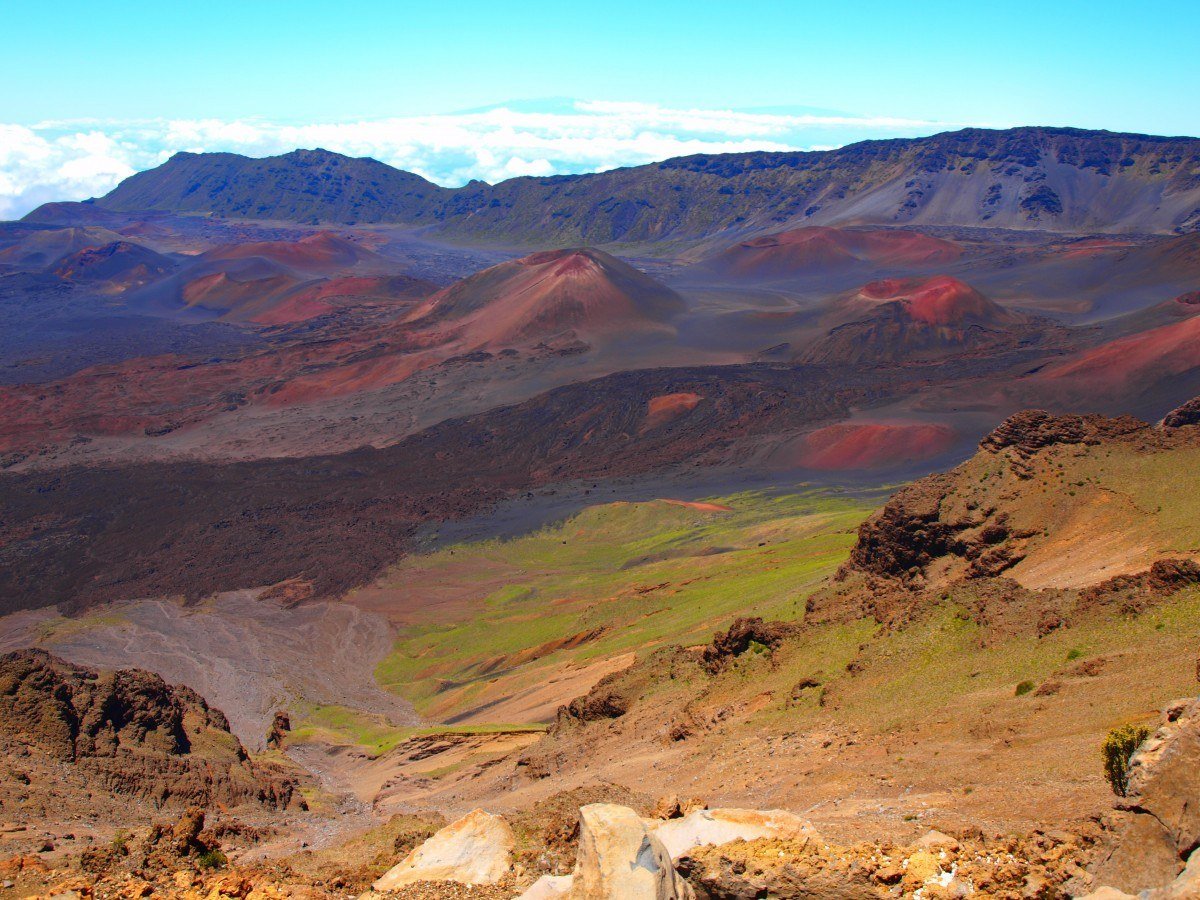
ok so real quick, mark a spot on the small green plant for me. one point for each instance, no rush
(120, 841)
(1118, 749)
(211, 859)
(1073, 654)
(1024, 688)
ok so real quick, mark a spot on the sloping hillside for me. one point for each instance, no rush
(990, 626)
(897, 319)
(301, 186)
(581, 292)
(818, 250)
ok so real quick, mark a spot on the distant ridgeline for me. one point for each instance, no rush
(1053, 179)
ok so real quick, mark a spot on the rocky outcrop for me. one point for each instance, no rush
(1032, 430)
(907, 533)
(130, 732)
(281, 726)
(477, 849)
(1186, 885)
(620, 857)
(1160, 816)
(1188, 414)
(603, 701)
(730, 644)
(1164, 577)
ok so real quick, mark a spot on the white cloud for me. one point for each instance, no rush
(63, 160)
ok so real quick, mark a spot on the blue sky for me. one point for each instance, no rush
(96, 91)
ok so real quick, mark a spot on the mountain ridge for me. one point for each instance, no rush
(1030, 178)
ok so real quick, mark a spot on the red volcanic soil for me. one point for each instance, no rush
(1092, 247)
(317, 252)
(660, 410)
(1133, 362)
(817, 249)
(899, 320)
(873, 445)
(941, 300)
(158, 394)
(44, 248)
(585, 292)
(248, 300)
(282, 299)
(699, 505)
(117, 266)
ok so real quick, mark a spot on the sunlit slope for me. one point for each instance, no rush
(507, 630)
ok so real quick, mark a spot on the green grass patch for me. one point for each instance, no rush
(641, 574)
(341, 725)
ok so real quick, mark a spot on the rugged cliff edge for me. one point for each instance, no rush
(123, 733)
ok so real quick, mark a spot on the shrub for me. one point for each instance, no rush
(1073, 654)
(211, 859)
(1024, 688)
(1118, 748)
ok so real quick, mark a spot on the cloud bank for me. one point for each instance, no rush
(73, 160)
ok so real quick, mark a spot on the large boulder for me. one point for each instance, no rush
(1162, 806)
(620, 857)
(549, 887)
(1185, 887)
(707, 827)
(477, 849)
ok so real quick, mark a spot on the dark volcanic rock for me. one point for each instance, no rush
(730, 644)
(603, 701)
(1188, 414)
(92, 534)
(281, 726)
(130, 731)
(907, 534)
(1031, 430)
(1164, 577)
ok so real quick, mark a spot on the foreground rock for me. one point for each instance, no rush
(477, 849)
(711, 827)
(620, 857)
(126, 732)
(549, 887)
(1160, 825)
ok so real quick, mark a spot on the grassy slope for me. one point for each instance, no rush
(641, 574)
(1096, 513)
(343, 726)
(648, 574)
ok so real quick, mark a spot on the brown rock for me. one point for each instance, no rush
(737, 640)
(17, 865)
(1029, 431)
(130, 732)
(281, 725)
(1162, 819)
(667, 807)
(936, 840)
(1181, 416)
